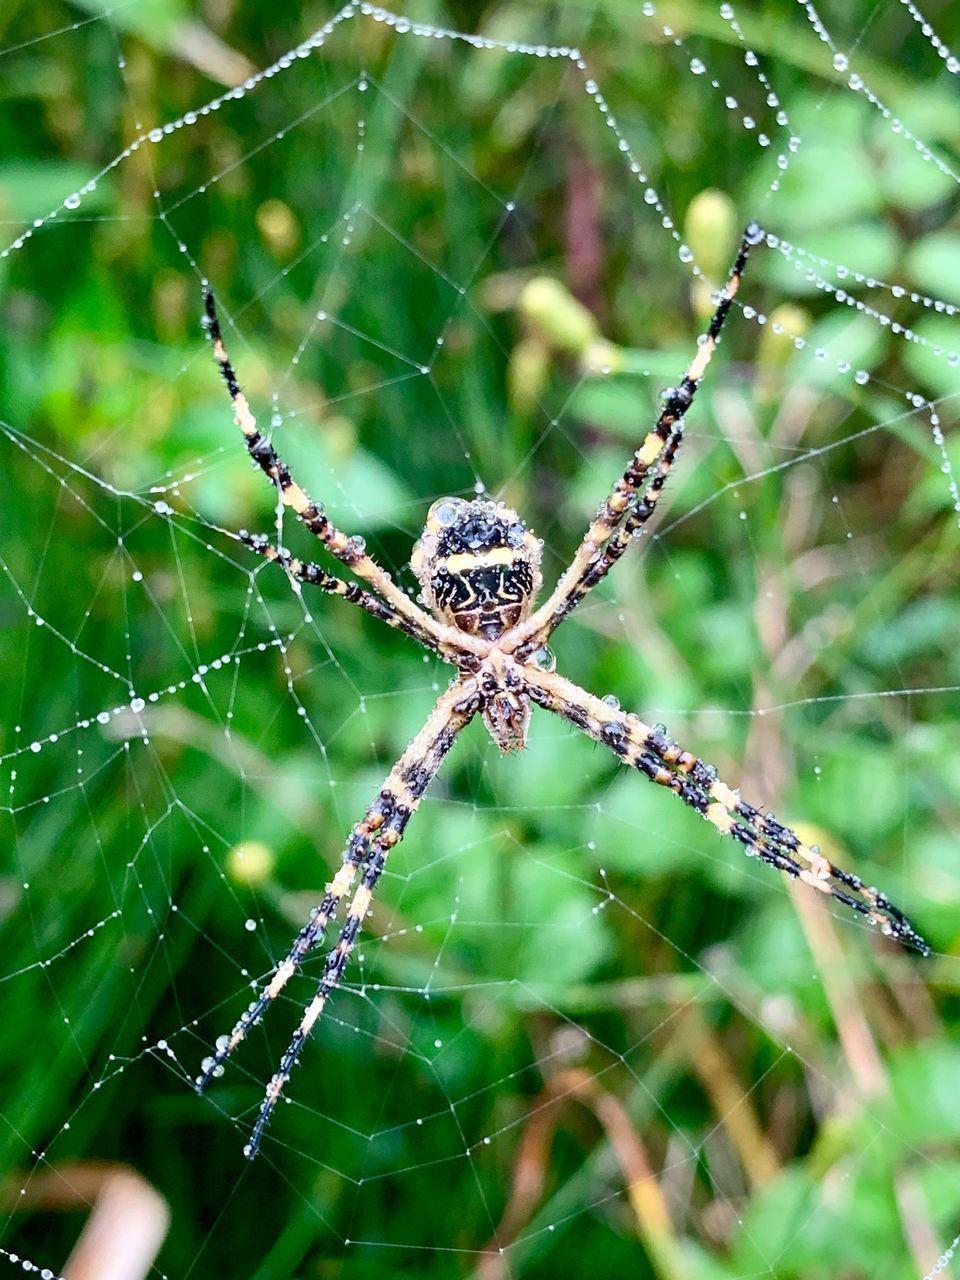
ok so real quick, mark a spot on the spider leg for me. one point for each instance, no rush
(619, 540)
(660, 446)
(315, 576)
(349, 550)
(381, 828)
(651, 751)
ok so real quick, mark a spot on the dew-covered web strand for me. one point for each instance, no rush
(841, 64)
(404, 26)
(185, 518)
(951, 61)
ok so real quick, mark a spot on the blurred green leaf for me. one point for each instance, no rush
(31, 188)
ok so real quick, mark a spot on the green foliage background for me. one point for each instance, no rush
(788, 1132)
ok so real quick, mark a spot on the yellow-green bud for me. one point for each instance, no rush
(549, 307)
(527, 372)
(603, 356)
(774, 350)
(710, 230)
(250, 863)
(278, 226)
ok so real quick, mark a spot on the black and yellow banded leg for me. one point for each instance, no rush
(589, 563)
(651, 751)
(355, 855)
(380, 830)
(350, 550)
(617, 543)
(333, 970)
(305, 571)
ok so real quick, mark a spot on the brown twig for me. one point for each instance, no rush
(642, 1188)
(127, 1224)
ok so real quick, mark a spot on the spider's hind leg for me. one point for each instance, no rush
(654, 754)
(380, 830)
(308, 939)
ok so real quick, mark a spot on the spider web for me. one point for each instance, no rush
(578, 1025)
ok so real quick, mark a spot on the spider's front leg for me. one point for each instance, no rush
(653, 753)
(304, 571)
(372, 839)
(624, 512)
(349, 550)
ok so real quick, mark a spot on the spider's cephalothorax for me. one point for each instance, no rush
(479, 572)
(478, 566)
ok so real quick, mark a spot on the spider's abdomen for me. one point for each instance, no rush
(478, 566)
(484, 593)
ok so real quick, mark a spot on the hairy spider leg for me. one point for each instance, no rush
(621, 537)
(590, 563)
(651, 751)
(305, 571)
(349, 550)
(407, 783)
(366, 853)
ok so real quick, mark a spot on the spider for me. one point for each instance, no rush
(478, 566)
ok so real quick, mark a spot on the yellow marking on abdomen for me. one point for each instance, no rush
(466, 560)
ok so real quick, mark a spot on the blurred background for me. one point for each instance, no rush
(583, 1035)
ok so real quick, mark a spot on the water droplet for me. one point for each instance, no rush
(544, 658)
(612, 701)
(697, 67)
(840, 62)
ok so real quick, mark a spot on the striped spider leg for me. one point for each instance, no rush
(349, 550)
(653, 753)
(305, 571)
(371, 840)
(624, 512)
